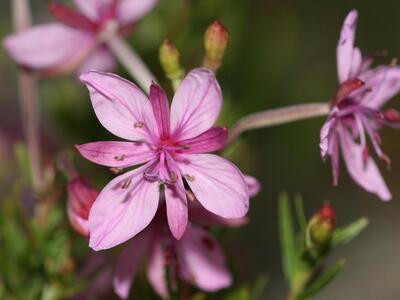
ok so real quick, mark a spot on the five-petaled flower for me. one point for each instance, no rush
(76, 39)
(356, 113)
(170, 145)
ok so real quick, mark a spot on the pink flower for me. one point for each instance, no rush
(81, 196)
(196, 259)
(75, 40)
(356, 113)
(170, 147)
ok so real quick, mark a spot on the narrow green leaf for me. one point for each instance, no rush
(301, 217)
(22, 156)
(259, 287)
(287, 238)
(345, 234)
(322, 281)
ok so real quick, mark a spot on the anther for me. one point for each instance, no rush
(120, 157)
(126, 183)
(116, 170)
(189, 177)
(191, 197)
(138, 125)
(186, 147)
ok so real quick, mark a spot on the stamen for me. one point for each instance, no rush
(191, 197)
(186, 147)
(138, 125)
(189, 177)
(116, 170)
(120, 157)
(126, 183)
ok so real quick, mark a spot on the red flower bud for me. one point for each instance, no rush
(81, 196)
(215, 43)
(321, 226)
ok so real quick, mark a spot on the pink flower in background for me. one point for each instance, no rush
(170, 147)
(196, 258)
(356, 113)
(75, 40)
(81, 196)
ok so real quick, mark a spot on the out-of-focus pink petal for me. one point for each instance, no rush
(50, 48)
(125, 206)
(130, 11)
(200, 216)
(253, 185)
(116, 154)
(213, 139)
(70, 17)
(100, 60)
(196, 104)
(129, 262)
(91, 8)
(324, 137)
(121, 107)
(217, 184)
(345, 48)
(81, 196)
(356, 63)
(159, 102)
(382, 84)
(156, 269)
(202, 261)
(176, 202)
(365, 173)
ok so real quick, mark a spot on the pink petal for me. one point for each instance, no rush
(212, 140)
(129, 262)
(217, 184)
(202, 261)
(383, 83)
(130, 11)
(366, 174)
(70, 17)
(159, 102)
(91, 8)
(200, 216)
(51, 48)
(356, 63)
(253, 185)
(324, 137)
(196, 104)
(116, 154)
(101, 60)
(345, 48)
(156, 269)
(122, 210)
(121, 107)
(175, 199)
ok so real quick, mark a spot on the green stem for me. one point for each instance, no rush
(299, 285)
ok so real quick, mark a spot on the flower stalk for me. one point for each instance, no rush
(278, 116)
(29, 102)
(128, 57)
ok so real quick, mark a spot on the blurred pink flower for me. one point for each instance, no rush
(75, 40)
(197, 259)
(356, 113)
(81, 196)
(170, 145)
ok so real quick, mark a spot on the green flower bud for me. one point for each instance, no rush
(169, 58)
(215, 43)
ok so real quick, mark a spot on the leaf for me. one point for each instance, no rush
(322, 281)
(346, 234)
(239, 294)
(22, 156)
(301, 217)
(259, 287)
(287, 238)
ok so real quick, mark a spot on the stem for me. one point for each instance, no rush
(298, 285)
(29, 101)
(278, 116)
(130, 60)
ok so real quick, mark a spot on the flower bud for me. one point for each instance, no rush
(169, 58)
(81, 196)
(321, 227)
(215, 43)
